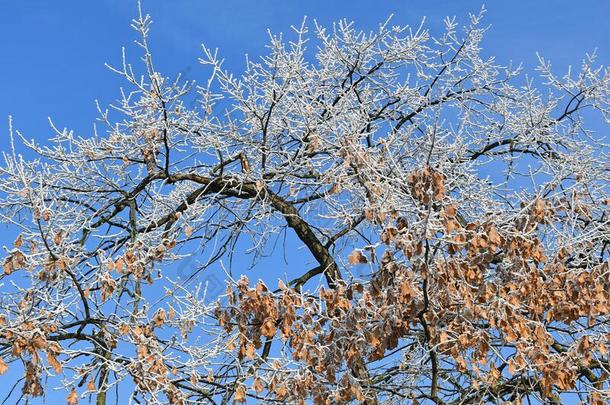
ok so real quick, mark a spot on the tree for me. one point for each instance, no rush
(457, 215)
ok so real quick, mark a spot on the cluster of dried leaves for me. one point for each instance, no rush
(496, 306)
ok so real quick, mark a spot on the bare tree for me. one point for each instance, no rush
(457, 215)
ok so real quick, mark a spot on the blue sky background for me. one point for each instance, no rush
(52, 53)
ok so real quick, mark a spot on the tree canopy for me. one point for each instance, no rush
(456, 210)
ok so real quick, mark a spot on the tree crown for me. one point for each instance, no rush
(456, 215)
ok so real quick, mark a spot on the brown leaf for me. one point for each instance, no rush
(7, 267)
(119, 265)
(123, 329)
(336, 188)
(250, 351)
(3, 366)
(53, 362)
(91, 385)
(356, 257)
(268, 328)
(159, 318)
(72, 398)
(245, 164)
(257, 385)
(493, 235)
(19, 241)
(194, 379)
(240, 393)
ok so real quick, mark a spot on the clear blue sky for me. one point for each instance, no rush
(53, 52)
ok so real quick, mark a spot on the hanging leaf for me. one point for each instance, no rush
(357, 257)
(72, 398)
